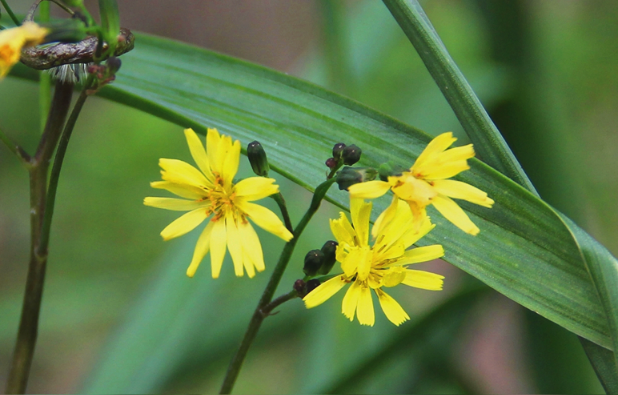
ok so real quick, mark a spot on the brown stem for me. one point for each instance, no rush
(29, 322)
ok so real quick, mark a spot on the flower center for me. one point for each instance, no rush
(6, 53)
(221, 199)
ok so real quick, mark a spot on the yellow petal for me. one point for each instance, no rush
(446, 170)
(364, 311)
(451, 211)
(265, 219)
(212, 148)
(256, 188)
(251, 245)
(393, 276)
(461, 190)
(349, 262)
(421, 254)
(180, 172)
(413, 189)
(14, 39)
(182, 190)
(393, 310)
(350, 300)
(364, 263)
(218, 240)
(457, 154)
(420, 228)
(385, 218)
(198, 153)
(186, 223)
(343, 231)
(175, 204)
(201, 249)
(230, 163)
(369, 189)
(423, 280)
(435, 146)
(361, 213)
(234, 245)
(324, 291)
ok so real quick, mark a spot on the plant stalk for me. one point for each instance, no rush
(29, 321)
(10, 12)
(259, 313)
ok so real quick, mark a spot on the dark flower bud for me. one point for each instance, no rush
(331, 163)
(313, 261)
(312, 284)
(351, 154)
(389, 169)
(113, 65)
(300, 287)
(349, 176)
(338, 150)
(329, 249)
(257, 158)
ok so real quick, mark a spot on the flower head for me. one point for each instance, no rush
(211, 193)
(427, 183)
(14, 39)
(382, 265)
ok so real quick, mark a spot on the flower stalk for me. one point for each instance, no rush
(29, 321)
(262, 309)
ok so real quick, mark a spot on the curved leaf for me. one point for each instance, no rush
(524, 251)
(601, 265)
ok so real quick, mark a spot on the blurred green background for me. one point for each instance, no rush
(120, 316)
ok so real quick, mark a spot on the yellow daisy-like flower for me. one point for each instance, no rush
(382, 265)
(14, 39)
(426, 183)
(211, 193)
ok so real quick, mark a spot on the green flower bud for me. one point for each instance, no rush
(349, 176)
(389, 169)
(257, 158)
(351, 154)
(338, 150)
(313, 262)
(329, 249)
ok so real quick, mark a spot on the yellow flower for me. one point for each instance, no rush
(211, 193)
(383, 265)
(14, 39)
(426, 183)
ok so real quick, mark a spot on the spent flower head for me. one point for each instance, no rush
(382, 265)
(210, 193)
(14, 39)
(427, 183)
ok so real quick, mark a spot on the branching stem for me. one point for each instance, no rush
(265, 301)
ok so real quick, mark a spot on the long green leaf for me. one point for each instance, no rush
(468, 108)
(524, 251)
(601, 265)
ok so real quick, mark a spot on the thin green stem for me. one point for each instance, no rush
(8, 142)
(284, 211)
(55, 173)
(271, 287)
(279, 301)
(10, 12)
(29, 321)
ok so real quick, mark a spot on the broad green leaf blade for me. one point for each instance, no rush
(480, 128)
(524, 250)
(491, 146)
